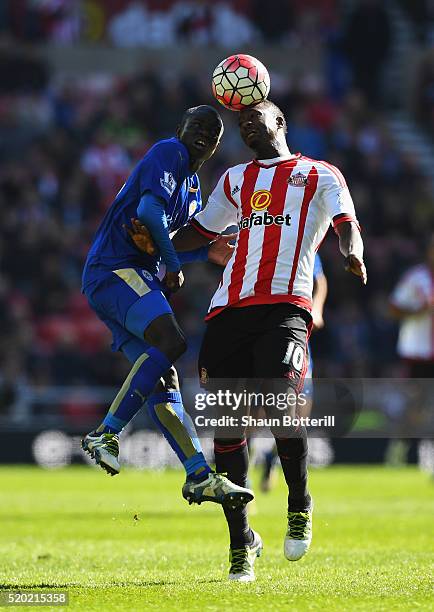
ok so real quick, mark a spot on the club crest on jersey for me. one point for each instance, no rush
(260, 199)
(192, 208)
(298, 180)
(168, 182)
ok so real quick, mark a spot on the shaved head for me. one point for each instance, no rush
(202, 109)
(200, 130)
(269, 106)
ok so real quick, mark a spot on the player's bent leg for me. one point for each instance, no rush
(147, 319)
(167, 410)
(165, 334)
(103, 444)
(128, 305)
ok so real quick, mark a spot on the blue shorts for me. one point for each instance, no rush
(127, 301)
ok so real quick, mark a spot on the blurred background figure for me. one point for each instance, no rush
(412, 303)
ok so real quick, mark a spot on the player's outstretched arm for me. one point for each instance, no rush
(219, 252)
(351, 247)
(187, 238)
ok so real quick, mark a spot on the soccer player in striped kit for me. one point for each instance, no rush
(259, 319)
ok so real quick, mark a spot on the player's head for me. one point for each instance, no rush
(200, 130)
(262, 124)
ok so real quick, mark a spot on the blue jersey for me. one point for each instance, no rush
(165, 172)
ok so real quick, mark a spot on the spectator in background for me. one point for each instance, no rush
(107, 162)
(412, 303)
(229, 27)
(424, 93)
(193, 22)
(130, 27)
(367, 43)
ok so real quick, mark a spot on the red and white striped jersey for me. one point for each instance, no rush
(283, 209)
(416, 333)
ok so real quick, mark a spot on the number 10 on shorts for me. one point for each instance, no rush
(295, 355)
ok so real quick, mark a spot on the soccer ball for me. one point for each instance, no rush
(240, 81)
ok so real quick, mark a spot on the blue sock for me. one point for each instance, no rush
(167, 411)
(140, 382)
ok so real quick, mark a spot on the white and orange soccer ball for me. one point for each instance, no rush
(240, 81)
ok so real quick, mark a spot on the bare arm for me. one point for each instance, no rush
(187, 238)
(351, 247)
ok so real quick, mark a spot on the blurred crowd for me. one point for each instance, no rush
(423, 102)
(158, 23)
(66, 147)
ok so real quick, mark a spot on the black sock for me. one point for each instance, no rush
(232, 457)
(293, 457)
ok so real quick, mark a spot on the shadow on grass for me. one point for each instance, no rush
(151, 583)
(39, 585)
(132, 583)
(84, 516)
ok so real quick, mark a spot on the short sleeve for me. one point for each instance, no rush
(220, 212)
(337, 198)
(162, 170)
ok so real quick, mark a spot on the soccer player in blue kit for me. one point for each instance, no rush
(122, 287)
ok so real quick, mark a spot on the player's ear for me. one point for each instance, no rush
(178, 131)
(280, 121)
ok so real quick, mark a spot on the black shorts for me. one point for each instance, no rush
(256, 342)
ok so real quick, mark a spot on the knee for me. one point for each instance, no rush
(176, 346)
(173, 346)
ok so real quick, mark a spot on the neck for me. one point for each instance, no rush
(272, 149)
(195, 165)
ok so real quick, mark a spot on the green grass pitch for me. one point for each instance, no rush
(132, 542)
